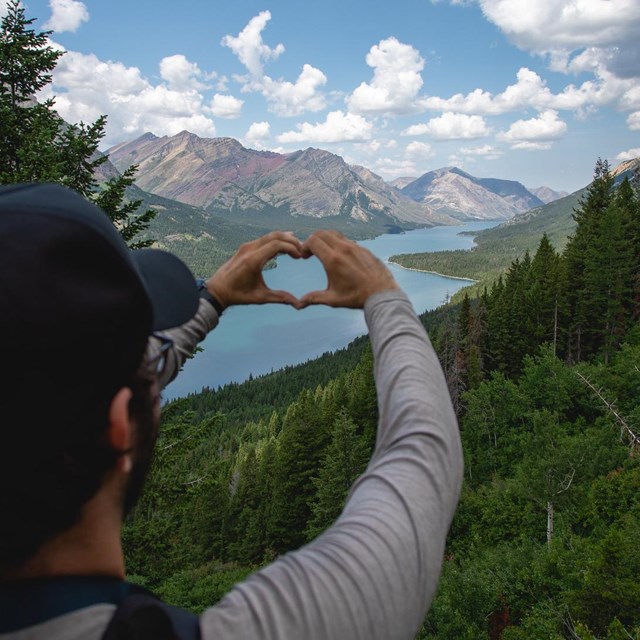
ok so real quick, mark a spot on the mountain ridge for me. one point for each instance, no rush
(457, 193)
(222, 176)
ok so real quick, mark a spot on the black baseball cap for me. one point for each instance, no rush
(76, 305)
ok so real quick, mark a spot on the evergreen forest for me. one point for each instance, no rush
(543, 368)
(543, 371)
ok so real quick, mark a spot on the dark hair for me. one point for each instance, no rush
(43, 488)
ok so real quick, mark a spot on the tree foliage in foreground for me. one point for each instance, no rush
(36, 145)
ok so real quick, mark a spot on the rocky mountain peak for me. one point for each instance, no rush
(454, 192)
(626, 165)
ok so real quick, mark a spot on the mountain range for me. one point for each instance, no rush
(222, 177)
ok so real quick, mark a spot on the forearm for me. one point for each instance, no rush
(185, 339)
(373, 573)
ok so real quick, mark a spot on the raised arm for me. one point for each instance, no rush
(237, 281)
(373, 573)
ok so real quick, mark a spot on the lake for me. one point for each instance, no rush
(259, 339)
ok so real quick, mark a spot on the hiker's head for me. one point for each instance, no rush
(76, 310)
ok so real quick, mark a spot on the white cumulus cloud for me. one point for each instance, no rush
(535, 133)
(451, 126)
(86, 87)
(249, 46)
(634, 121)
(396, 80)
(180, 74)
(530, 90)
(631, 154)
(419, 150)
(66, 15)
(292, 99)
(285, 98)
(257, 135)
(225, 106)
(548, 25)
(338, 127)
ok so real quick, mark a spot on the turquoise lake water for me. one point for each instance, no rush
(259, 339)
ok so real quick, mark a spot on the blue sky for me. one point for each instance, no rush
(520, 89)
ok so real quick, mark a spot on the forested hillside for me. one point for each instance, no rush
(497, 247)
(543, 369)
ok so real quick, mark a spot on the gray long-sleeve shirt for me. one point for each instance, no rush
(374, 572)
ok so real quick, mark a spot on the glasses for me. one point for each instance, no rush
(158, 362)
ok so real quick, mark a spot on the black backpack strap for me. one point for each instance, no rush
(142, 616)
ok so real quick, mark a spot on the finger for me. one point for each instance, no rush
(277, 246)
(286, 236)
(318, 245)
(281, 297)
(318, 297)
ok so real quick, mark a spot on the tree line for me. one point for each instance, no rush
(582, 301)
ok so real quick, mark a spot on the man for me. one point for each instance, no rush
(80, 413)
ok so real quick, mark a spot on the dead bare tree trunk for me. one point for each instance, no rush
(626, 432)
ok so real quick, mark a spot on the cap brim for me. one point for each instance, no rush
(171, 287)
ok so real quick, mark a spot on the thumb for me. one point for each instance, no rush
(317, 297)
(282, 297)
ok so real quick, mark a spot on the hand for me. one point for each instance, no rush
(240, 281)
(353, 272)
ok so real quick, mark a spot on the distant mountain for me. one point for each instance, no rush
(456, 193)
(626, 168)
(497, 247)
(223, 177)
(400, 183)
(548, 195)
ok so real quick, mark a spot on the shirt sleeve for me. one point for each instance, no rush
(185, 339)
(373, 573)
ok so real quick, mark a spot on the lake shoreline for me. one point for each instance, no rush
(256, 342)
(435, 273)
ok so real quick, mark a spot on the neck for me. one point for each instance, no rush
(89, 548)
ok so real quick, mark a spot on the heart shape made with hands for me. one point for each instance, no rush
(353, 272)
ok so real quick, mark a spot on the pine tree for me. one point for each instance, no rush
(28, 130)
(588, 217)
(344, 460)
(627, 201)
(543, 293)
(519, 341)
(608, 286)
(497, 327)
(36, 145)
(123, 213)
(300, 445)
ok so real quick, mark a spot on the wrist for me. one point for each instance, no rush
(212, 296)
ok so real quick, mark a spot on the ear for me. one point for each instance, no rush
(120, 431)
